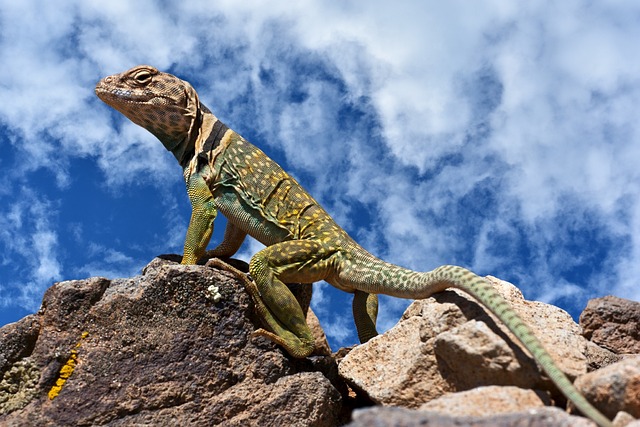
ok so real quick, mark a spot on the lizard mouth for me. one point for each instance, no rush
(129, 96)
(122, 95)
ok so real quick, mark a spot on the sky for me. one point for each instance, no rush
(497, 135)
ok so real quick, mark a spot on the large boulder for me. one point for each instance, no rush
(613, 323)
(449, 343)
(170, 347)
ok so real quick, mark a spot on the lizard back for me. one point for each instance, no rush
(246, 180)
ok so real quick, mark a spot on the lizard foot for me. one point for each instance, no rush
(293, 345)
(246, 281)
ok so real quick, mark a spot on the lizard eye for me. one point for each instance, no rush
(142, 77)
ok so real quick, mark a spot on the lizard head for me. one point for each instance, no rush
(165, 105)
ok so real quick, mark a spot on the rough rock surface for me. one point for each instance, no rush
(598, 357)
(626, 420)
(321, 343)
(159, 351)
(449, 343)
(401, 417)
(173, 347)
(617, 386)
(613, 323)
(489, 400)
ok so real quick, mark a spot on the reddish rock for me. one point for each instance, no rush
(614, 388)
(613, 323)
(159, 350)
(598, 357)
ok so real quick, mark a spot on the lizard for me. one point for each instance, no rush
(303, 244)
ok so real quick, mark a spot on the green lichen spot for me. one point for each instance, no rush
(18, 386)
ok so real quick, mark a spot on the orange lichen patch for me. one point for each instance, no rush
(67, 369)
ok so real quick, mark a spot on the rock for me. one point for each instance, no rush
(18, 339)
(614, 388)
(489, 400)
(174, 346)
(626, 420)
(475, 345)
(401, 417)
(156, 349)
(449, 343)
(395, 368)
(321, 343)
(613, 323)
(19, 375)
(598, 357)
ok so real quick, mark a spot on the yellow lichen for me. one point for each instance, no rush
(67, 369)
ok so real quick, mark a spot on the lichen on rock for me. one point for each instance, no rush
(66, 370)
(18, 385)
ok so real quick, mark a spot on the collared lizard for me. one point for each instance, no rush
(223, 172)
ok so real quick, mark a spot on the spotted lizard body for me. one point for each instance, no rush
(223, 172)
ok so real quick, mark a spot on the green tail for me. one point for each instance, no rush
(380, 277)
(481, 290)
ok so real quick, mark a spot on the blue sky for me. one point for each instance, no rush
(496, 135)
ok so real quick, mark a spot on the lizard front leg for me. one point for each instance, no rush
(203, 213)
(233, 238)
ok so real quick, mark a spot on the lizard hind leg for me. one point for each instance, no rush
(294, 261)
(280, 335)
(303, 293)
(365, 313)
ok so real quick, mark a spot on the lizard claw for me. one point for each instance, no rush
(294, 346)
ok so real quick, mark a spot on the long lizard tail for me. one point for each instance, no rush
(381, 277)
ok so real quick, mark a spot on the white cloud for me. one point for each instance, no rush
(30, 241)
(485, 119)
(109, 263)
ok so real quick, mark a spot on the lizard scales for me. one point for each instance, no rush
(223, 172)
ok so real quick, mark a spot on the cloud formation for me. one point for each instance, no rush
(495, 135)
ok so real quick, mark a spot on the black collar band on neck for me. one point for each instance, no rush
(214, 138)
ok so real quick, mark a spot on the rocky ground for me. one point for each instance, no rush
(174, 347)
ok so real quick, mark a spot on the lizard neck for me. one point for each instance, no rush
(184, 149)
(208, 137)
(199, 130)
(213, 130)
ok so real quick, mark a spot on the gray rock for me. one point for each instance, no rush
(401, 417)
